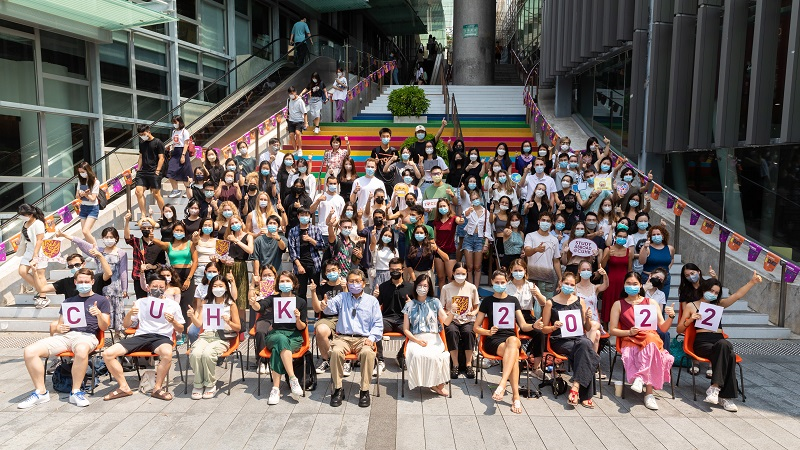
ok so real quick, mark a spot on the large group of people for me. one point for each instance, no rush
(563, 236)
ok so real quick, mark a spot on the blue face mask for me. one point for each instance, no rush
(621, 241)
(499, 288)
(586, 274)
(472, 185)
(567, 289)
(628, 178)
(444, 210)
(580, 233)
(590, 181)
(419, 237)
(622, 226)
(633, 203)
(180, 236)
(272, 228)
(304, 219)
(348, 214)
(476, 202)
(346, 231)
(710, 296)
(332, 276)
(405, 156)
(288, 162)
(236, 227)
(265, 172)
(538, 169)
(408, 180)
(302, 169)
(285, 287)
(84, 288)
(544, 226)
(518, 274)
(605, 167)
(385, 141)
(227, 214)
(502, 179)
(208, 230)
(573, 165)
(369, 171)
(412, 219)
(631, 290)
(332, 187)
(642, 225)
(560, 226)
(657, 239)
(563, 164)
(210, 275)
(208, 194)
(386, 239)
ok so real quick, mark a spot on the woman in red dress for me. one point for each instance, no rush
(618, 262)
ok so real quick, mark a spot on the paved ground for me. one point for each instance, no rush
(768, 420)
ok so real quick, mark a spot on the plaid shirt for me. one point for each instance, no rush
(294, 245)
(140, 248)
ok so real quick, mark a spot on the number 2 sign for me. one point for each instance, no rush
(573, 323)
(503, 315)
(645, 317)
(711, 316)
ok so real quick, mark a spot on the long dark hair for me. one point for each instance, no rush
(179, 119)
(687, 292)
(638, 277)
(90, 176)
(27, 209)
(420, 279)
(391, 243)
(213, 264)
(417, 246)
(505, 160)
(210, 294)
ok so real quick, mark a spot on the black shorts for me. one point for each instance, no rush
(295, 126)
(148, 180)
(491, 343)
(144, 342)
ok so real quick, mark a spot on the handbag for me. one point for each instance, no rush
(676, 350)
(190, 147)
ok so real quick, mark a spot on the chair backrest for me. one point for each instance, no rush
(688, 340)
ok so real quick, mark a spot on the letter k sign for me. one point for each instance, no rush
(284, 309)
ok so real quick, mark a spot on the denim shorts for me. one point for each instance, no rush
(89, 211)
(473, 243)
(461, 230)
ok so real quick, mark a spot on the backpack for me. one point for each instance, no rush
(311, 371)
(62, 376)
(676, 350)
(102, 198)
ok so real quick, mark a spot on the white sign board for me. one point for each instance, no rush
(572, 323)
(284, 309)
(711, 316)
(645, 317)
(582, 247)
(503, 315)
(74, 314)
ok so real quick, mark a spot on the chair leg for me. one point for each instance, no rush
(680, 369)
(741, 382)
(611, 367)
(230, 376)
(259, 383)
(671, 386)
(241, 363)
(623, 377)
(403, 382)
(178, 357)
(94, 364)
(377, 381)
(480, 372)
(186, 379)
(305, 372)
(694, 391)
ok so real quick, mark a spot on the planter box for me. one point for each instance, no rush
(410, 119)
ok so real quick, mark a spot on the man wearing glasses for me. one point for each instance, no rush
(359, 327)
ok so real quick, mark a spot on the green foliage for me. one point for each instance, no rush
(441, 147)
(408, 101)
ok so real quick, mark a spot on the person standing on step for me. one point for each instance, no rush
(384, 155)
(180, 163)
(300, 39)
(340, 94)
(421, 134)
(151, 168)
(318, 95)
(297, 121)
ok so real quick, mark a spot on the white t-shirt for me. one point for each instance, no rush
(540, 265)
(657, 296)
(82, 186)
(274, 165)
(201, 291)
(151, 317)
(341, 83)
(368, 186)
(324, 208)
(523, 294)
(179, 137)
(532, 180)
(309, 180)
(384, 255)
(478, 224)
(468, 300)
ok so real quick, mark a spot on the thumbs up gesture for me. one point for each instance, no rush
(94, 310)
(711, 272)
(670, 310)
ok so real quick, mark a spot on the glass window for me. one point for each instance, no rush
(68, 142)
(213, 68)
(151, 109)
(187, 61)
(151, 80)
(114, 64)
(241, 6)
(242, 34)
(61, 94)
(63, 55)
(215, 92)
(19, 144)
(116, 134)
(187, 8)
(189, 86)
(16, 70)
(187, 32)
(159, 28)
(212, 27)
(16, 26)
(150, 50)
(117, 103)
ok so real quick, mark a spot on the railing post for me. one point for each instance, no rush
(677, 233)
(723, 248)
(782, 297)
(128, 198)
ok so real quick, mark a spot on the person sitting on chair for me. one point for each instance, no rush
(281, 331)
(158, 320)
(359, 327)
(461, 297)
(79, 340)
(324, 327)
(503, 341)
(393, 295)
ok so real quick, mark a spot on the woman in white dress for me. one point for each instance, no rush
(427, 358)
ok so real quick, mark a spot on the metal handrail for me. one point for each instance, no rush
(445, 94)
(456, 121)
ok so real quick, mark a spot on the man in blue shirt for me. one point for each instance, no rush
(359, 327)
(300, 34)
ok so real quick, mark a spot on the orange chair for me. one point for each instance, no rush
(483, 355)
(232, 350)
(101, 343)
(559, 358)
(267, 353)
(130, 331)
(688, 349)
(619, 353)
(251, 341)
(403, 369)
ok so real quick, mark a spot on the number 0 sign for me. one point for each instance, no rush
(645, 317)
(503, 314)
(711, 317)
(573, 323)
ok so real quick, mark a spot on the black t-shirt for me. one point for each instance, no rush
(316, 89)
(330, 290)
(267, 312)
(419, 149)
(306, 259)
(66, 286)
(383, 157)
(193, 225)
(487, 308)
(392, 298)
(150, 151)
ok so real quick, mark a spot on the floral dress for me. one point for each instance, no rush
(118, 286)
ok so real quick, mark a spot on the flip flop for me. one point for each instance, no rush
(588, 404)
(499, 393)
(117, 393)
(516, 404)
(573, 397)
(161, 394)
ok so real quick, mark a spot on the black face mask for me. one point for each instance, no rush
(379, 201)
(198, 178)
(145, 233)
(252, 187)
(656, 282)
(298, 190)
(569, 204)
(396, 274)
(378, 222)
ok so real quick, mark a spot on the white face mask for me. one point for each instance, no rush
(500, 152)
(422, 290)
(606, 209)
(539, 193)
(194, 212)
(168, 214)
(460, 278)
(243, 150)
(514, 223)
(564, 147)
(110, 242)
(144, 137)
(83, 174)
(218, 291)
(429, 150)
(496, 169)
(565, 184)
(542, 152)
(175, 125)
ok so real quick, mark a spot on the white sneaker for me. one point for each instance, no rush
(379, 367)
(274, 396)
(709, 373)
(638, 385)
(37, 303)
(728, 405)
(44, 303)
(297, 391)
(323, 367)
(712, 395)
(316, 130)
(650, 402)
(34, 399)
(262, 369)
(175, 194)
(299, 152)
(79, 399)
(346, 369)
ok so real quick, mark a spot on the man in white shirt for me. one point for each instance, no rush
(330, 199)
(297, 121)
(158, 319)
(273, 155)
(544, 257)
(530, 180)
(364, 187)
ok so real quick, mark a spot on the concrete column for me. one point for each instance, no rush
(762, 78)
(706, 70)
(473, 57)
(563, 101)
(731, 63)
(680, 79)
(791, 92)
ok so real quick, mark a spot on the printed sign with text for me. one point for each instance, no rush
(503, 315)
(711, 316)
(74, 314)
(573, 323)
(284, 309)
(645, 317)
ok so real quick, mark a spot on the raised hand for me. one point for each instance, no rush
(94, 310)
(670, 310)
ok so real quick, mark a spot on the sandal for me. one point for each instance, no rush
(117, 393)
(588, 404)
(161, 394)
(210, 392)
(573, 397)
(516, 407)
(197, 393)
(499, 393)
(440, 391)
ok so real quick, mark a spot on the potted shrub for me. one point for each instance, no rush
(409, 105)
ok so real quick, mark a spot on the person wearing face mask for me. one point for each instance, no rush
(241, 247)
(331, 284)
(297, 120)
(591, 198)
(428, 360)
(245, 161)
(445, 227)
(266, 181)
(287, 169)
(213, 167)
(328, 201)
(296, 199)
(80, 340)
(513, 238)
(501, 155)
(336, 155)
(530, 179)
(419, 146)
(273, 156)
(544, 258)
(66, 286)
(347, 178)
(359, 328)
(713, 345)
(636, 184)
(571, 210)
(617, 261)
(256, 222)
(590, 294)
(179, 167)
(647, 363)
(457, 160)
(397, 168)
(531, 302)
(87, 192)
(340, 94)
(382, 249)
(305, 242)
(269, 245)
(32, 262)
(635, 205)
(656, 252)
(689, 288)
(151, 167)
(183, 259)
(281, 338)
(155, 321)
(226, 212)
(206, 247)
(384, 155)
(317, 96)
(564, 169)
(146, 254)
(583, 359)
(392, 295)
(525, 157)
(304, 172)
(117, 259)
(192, 218)
(479, 236)
(228, 189)
(365, 187)
(212, 343)
(196, 193)
(461, 298)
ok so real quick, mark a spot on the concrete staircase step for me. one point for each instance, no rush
(25, 325)
(29, 312)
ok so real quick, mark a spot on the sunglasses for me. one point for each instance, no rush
(73, 266)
